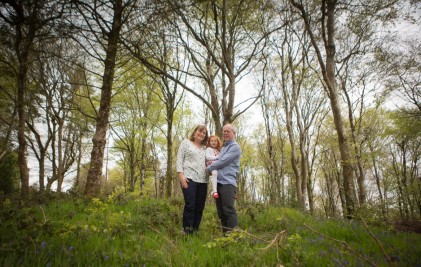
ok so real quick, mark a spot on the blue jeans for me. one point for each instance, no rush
(194, 203)
(225, 206)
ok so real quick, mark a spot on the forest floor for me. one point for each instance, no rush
(127, 230)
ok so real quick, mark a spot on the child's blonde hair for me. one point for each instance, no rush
(218, 142)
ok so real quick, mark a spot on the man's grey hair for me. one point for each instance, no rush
(232, 127)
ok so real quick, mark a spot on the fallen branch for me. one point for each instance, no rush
(378, 242)
(276, 240)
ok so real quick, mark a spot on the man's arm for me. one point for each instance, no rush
(225, 158)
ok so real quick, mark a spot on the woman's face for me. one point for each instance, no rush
(199, 135)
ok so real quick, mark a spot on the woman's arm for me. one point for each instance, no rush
(180, 165)
(180, 156)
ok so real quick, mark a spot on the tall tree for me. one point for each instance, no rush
(26, 24)
(105, 21)
(273, 153)
(324, 34)
(327, 65)
(52, 132)
(170, 93)
(357, 72)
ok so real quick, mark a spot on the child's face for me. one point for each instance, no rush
(213, 142)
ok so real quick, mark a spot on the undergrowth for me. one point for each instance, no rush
(134, 231)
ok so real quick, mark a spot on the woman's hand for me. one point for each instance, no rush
(183, 180)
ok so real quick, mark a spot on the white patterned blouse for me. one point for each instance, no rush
(191, 161)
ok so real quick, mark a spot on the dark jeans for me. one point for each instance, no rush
(225, 207)
(194, 203)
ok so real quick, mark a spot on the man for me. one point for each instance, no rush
(228, 167)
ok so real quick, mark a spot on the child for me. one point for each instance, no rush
(212, 151)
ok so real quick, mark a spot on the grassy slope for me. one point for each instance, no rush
(147, 232)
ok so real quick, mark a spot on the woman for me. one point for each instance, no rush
(192, 176)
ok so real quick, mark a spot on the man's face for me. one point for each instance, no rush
(228, 133)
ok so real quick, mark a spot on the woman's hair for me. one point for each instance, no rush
(218, 141)
(200, 128)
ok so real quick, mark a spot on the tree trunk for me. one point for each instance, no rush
(144, 135)
(213, 97)
(328, 72)
(79, 160)
(329, 206)
(93, 182)
(359, 171)
(144, 126)
(377, 177)
(330, 79)
(21, 104)
(132, 166)
(271, 164)
(168, 175)
(289, 105)
(40, 155)
(60, 171)
(23, 163)
(41, 172)
(169, 171)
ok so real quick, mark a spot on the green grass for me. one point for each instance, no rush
(129, 231)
